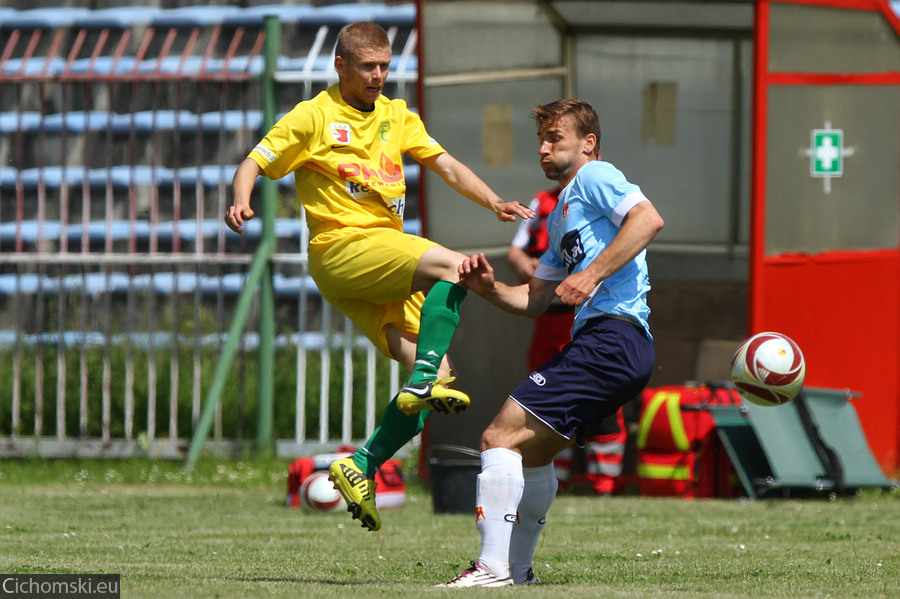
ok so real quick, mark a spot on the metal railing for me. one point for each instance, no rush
(119, 282)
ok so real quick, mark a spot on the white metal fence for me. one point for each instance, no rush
(121, 130)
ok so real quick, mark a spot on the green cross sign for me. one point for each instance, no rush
(827, 156)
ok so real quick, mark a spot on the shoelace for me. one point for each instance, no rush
(473, 567)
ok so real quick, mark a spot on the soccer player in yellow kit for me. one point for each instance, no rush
(345, 149)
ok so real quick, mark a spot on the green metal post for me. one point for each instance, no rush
(266, 392)
(260, 274)
(258, 268)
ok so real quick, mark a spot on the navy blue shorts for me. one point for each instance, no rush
(605, 366)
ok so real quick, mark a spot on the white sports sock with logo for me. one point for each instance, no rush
(497, 497)
(537, 496)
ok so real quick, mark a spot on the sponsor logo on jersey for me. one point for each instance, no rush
(387, 171)
(538, 378)
(572, 250)
(358, 191)
(265, 152)
(340, 132)
(512, 518)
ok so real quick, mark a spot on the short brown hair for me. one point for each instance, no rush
(356, 36)
(581, 115)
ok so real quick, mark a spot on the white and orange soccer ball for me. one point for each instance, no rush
(317, 493)
(768, 369)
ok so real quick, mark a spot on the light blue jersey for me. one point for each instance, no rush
(590, 211)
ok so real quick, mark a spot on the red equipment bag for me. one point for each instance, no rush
(678, 451)
(390, 488)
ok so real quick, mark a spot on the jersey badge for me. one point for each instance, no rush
(384, 129)
(565, 211)
(340, 132)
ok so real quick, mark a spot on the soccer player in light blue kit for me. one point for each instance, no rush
(599, 232)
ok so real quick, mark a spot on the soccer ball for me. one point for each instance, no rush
(317, 493)
(768, 369)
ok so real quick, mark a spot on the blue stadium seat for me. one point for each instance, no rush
(124, 176)
(231, 120)
(195, 16)
(186, 230)
(10, 122)
(43, 18)
(148, 121)
(68, 338)
(78, 121)
(120, 17)
(338, 15)
(254, 15)
(285, 228)
(93, 283)
(209, 175)
(30, 230)
(52, 176)
(116, 230)
(8, 338)
(37, 65)
(292, 287)
(27, 283)
(413, 226)
(396, 14)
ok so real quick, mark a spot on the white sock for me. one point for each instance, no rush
(537, 496)
(497, 496)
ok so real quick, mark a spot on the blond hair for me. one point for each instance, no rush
(356, 36)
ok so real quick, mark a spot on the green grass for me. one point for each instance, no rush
(223, 531)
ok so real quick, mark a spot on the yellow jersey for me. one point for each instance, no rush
(347, 163)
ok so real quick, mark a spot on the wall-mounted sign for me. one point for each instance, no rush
(826, 154)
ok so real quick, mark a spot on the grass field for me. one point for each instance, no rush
(223, 531)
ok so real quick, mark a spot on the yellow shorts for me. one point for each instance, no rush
(367, 274)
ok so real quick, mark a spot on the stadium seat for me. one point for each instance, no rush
(338, 15)
(116, 230)
(29, 230)
(49, 66)
(43, 18)
(10, 122)
(119, 17)
(78, 122)
(202, 15)
(27, 284)
(255, 15)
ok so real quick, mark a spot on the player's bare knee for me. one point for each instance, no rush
(492, 438)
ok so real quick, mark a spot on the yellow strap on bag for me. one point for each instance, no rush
(672, 400)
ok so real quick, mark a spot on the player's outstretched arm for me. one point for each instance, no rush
(640, 226)
(244, 180)
(465, 182)
(529, 299)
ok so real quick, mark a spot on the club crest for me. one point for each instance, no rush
(340, 132)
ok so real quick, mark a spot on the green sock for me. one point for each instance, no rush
(392, 433)
(440, 317)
